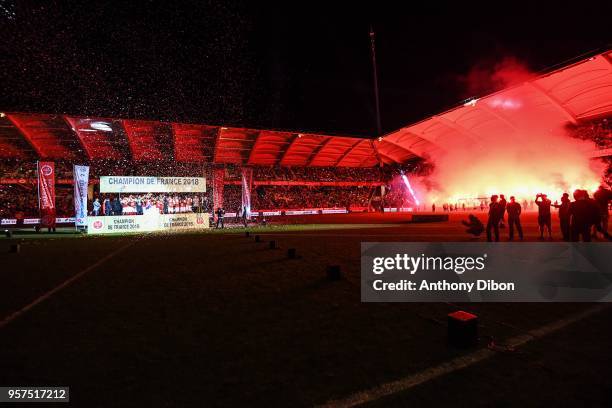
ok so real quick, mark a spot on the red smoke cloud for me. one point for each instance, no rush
(535, 155)
(485, 78)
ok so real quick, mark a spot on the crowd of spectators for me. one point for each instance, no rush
(21, 201)
(296, 197)
(277, 173)
(599, 131)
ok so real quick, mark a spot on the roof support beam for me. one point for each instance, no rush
(252, 153)
(389, 157)
(26, 135)
(401, 147)
(420, 135)
(317, 150)
(129, 137)
(348, 151)
(295, 137)
(74, 130)
(375, 150)
(483, 107)
(569, 115)
(455, 126)
(216, 146)
(422, 138)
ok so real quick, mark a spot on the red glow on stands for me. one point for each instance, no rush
(193, 143)
(514, 142)
(149, 140)
(49, 135)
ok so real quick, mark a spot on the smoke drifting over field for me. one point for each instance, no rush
(537, 156)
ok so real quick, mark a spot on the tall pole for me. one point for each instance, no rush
(374, 70)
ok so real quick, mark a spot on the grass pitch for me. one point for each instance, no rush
(216, 319)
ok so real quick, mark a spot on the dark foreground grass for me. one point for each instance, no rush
(215, 319)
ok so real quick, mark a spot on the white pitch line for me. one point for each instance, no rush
(13, 316)
(406, 383)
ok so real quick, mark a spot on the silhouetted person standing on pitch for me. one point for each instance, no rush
(502, 208)
(514, 218)
(564, 216)
(244, 217)
(602, 197)
(544, 219)
(494, 217)
(583, 214)
(220, 214)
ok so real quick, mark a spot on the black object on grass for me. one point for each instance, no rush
(462, 329)
(334, 272)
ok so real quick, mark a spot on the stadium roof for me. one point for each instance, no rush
(64, 137)
(582, 90)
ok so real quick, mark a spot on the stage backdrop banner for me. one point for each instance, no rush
(46, 193)
(133, 184)
(81, 180)
(146, 223)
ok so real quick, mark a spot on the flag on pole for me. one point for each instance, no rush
(46, 193)
(81, 180)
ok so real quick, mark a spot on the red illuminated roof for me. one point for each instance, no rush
(576, 92)
(68, 137)
(580, 91)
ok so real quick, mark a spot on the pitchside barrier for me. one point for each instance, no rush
(146, 223)
(307, 211)
(29, 222)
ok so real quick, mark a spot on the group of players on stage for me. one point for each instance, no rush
(146, 203)
(578, 219)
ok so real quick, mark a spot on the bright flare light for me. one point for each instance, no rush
(514, 164)
(407, 183)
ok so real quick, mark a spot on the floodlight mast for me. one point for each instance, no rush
(375, 73)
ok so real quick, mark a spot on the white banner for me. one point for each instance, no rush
(271, 213)
(130, 184)
(298, 212)
(81, 180)
(334, 211)
(146, 223)
(8, 221)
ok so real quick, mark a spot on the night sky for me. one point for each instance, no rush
(298, 67)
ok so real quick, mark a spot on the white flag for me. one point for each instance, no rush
(81, 179)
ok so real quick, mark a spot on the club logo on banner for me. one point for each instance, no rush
(46, 193)
(81, 180)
